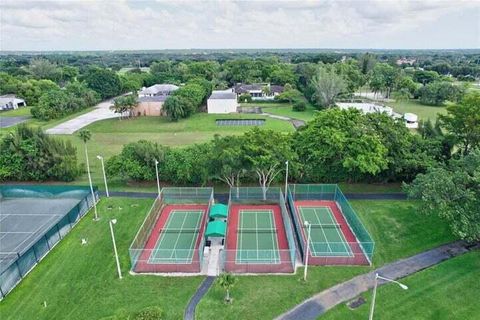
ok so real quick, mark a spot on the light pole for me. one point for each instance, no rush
(158, 180)
(286, 179)
(309, 229)
(112, 222)
(104, 175)
(372, 307)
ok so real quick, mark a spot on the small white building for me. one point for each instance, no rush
(10, 102)
(222, 101)
(411, 120)
(365, 107)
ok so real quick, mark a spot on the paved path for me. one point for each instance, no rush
(343, 292)
(190, 311)
(101, 112)
(6, 122)
(223, 197)
(297, 123)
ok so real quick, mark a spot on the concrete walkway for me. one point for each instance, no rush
(343, 292)
(101, 112)
(201, 291)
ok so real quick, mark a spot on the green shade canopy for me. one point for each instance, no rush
(216, 229)
(218, 211)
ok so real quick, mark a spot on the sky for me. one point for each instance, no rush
(179, 24)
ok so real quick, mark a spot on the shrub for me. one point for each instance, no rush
(245, 97)
(150, 313)
(299, 105)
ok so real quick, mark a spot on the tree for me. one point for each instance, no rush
(436, 93)
(29, 154)
(383, 78)
(125, 104)
(175, 108)
(43, 69)
(227, 281)
(327, 86)
(265, 152)
(85, 135)
(339, 145)
(289, 95)
(366, 62)
(452, 193)
(462, 122)
(105, 82)
(228, 161)
(425, 77)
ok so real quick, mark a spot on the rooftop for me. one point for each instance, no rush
(223, 94)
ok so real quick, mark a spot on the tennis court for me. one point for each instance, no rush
(257, 237)
(176, 243)
(326, 236)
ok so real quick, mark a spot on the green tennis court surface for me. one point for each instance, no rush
(257, 237)
(326, 237)
(178, 237)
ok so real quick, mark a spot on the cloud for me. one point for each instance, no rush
(122, 24)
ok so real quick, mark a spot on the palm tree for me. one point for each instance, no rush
(86, 135)
(227, 281)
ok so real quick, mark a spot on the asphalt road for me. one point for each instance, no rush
(6, 122)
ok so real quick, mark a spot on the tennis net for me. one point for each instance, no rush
(326, 226)
(176, 230)
(257, 230)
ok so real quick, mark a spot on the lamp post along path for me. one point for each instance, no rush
(112, 222)
(374, 295)
(286, 179)
(104, 175)
(309, 228)
(158, 179)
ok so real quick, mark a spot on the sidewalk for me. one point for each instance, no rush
(343, 292)
(102, 111)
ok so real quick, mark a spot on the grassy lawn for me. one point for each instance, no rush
(447, 291)
(22, 111)
(109, 136)
(80, 282)
(285, 109)
(395, 226)
(413, 106)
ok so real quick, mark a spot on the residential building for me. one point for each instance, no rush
(151, 99)
(222, 101)
(10, 102)
(258, 91)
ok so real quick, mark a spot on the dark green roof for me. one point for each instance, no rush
(216, 229)
(218, 211)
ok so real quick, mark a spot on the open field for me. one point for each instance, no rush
(424, 112)
(285, 109)
(397, 230)
(447, 291)
(80, 282)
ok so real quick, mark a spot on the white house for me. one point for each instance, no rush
(10, 101)
(259, 91)
(158, 90)
(222, 101)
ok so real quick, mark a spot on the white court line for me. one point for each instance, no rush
(179, 234)
(276, 249)
(323, 231)
(195, 235)
(161, 236)
(344, 240)
(256, 228)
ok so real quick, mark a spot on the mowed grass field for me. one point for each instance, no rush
(398, 230)
(447, 291)
(413, 106)
(109, 136)
(81, 282)
(285, 109)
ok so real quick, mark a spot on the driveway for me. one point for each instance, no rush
(6, 122)
(101, 112)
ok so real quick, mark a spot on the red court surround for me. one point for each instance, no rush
(144, 266)
(285, 265)
(358, 258)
